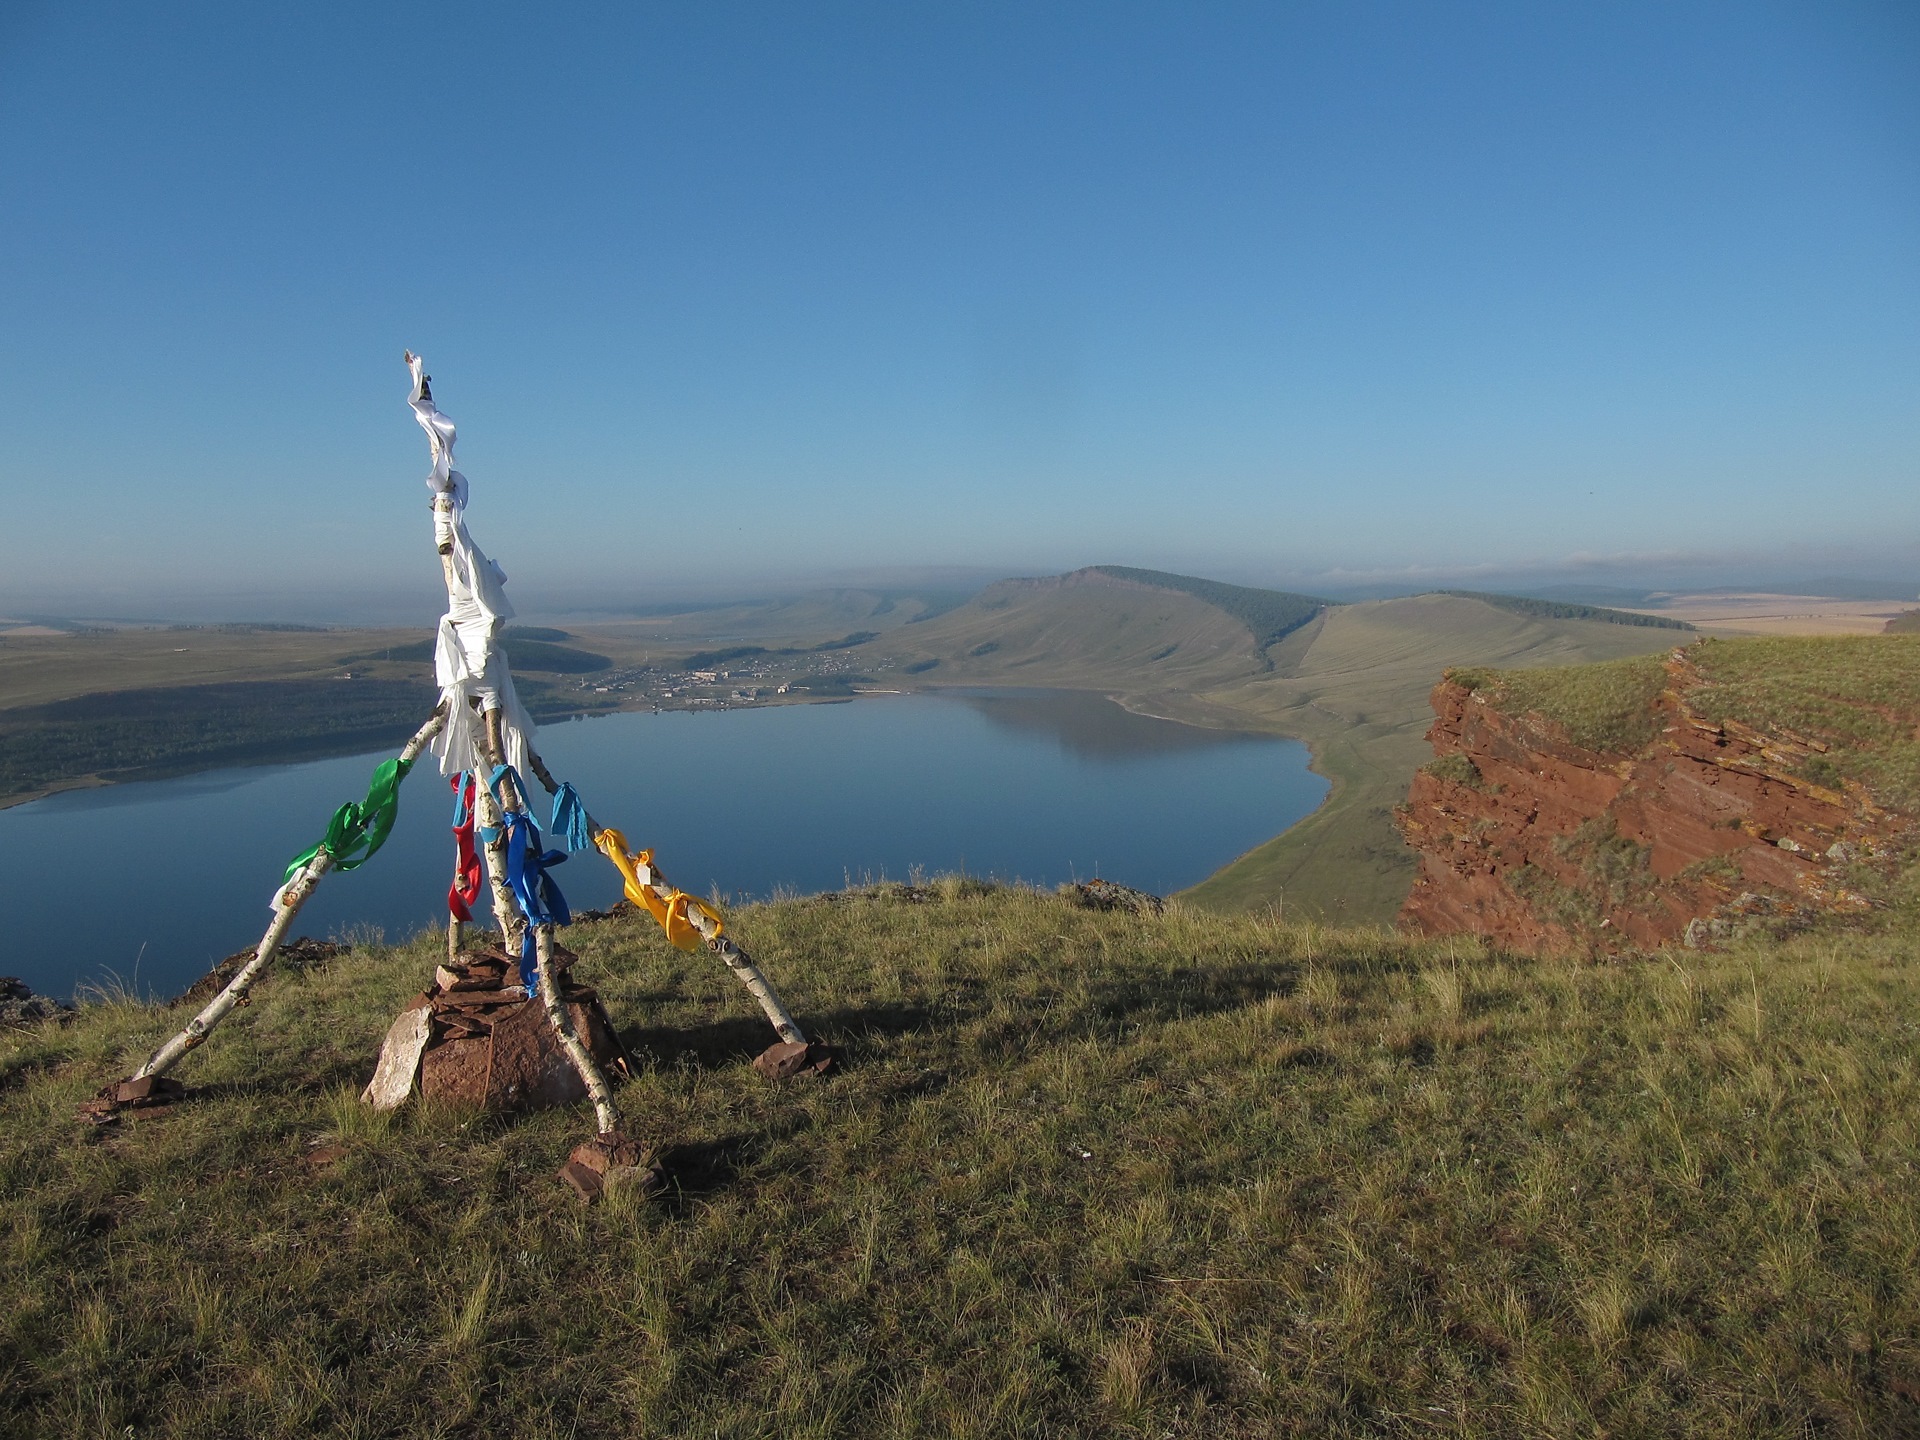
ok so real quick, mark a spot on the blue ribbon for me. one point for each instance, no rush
(570, 818)
(540, 898)
(459, 799)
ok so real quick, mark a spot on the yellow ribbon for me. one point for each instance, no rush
(671, 912)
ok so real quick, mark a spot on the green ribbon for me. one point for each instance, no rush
(359, 828)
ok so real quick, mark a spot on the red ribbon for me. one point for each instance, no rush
(467, 874)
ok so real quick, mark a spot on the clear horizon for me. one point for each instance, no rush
(745, 300)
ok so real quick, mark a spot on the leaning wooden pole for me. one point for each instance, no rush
(606, 1114)
(493, 860)
(736, 959)
(648, 876)
(286, 904)
(648, 887)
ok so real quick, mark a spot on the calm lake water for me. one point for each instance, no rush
(154, 882)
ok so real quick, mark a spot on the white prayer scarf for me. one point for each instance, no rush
(468, 662)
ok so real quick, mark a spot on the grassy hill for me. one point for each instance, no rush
(1352, 681)
(1087, 630)
(1356, 688)
(1082, 1174)
(1269, 615)
(814, 615)
(1568, 610)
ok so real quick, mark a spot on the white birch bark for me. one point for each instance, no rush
(514, 922)
(287, 901)
(736, 959)
(606, 1113)
(493, 857)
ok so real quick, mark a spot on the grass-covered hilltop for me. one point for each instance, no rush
(1081, 1173)
(1645, 1163)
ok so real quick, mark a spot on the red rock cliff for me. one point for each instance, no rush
(1534, 841)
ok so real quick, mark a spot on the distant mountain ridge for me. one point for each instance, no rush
(1269, 615)
(1272, 615)
(1566, 610)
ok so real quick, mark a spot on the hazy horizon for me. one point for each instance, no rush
(1890, 577)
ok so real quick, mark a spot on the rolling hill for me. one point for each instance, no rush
(1088, 630)
(1351, 680)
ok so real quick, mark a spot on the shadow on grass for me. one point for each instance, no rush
(720, 1043)
(1118, 1004)
(738, 1039)
(704, 1168)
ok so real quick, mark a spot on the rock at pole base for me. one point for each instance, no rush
(786, 1060)
(474, 1038)
(1105, 895)
(151, 1093)
(610, 1162)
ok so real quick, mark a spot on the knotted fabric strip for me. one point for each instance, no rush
(540, 898)
(467, 874)
(359, 828)
(673, 910)
(570, 818)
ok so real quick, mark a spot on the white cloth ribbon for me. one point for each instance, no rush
(468, 662)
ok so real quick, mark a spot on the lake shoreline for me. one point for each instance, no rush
(1026, 785)
(294, 749)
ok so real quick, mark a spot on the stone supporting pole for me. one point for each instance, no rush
(286, 904)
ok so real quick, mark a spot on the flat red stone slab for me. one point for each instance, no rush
(786, 1060)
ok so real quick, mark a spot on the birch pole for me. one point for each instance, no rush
(287, 901)
(493, 858)
(736, 959)
(606, 1114)
(514, 923)
(715, 939)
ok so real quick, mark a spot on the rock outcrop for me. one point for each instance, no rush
(20, 1006)
(1706, 831)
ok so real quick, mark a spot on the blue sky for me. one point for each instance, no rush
(729, 297)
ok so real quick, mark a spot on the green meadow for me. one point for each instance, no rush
(1081, 1174)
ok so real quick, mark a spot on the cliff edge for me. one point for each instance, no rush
(1727, 786)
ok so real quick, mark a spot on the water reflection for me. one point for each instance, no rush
(1089, 725)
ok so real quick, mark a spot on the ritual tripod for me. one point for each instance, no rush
(482, 737)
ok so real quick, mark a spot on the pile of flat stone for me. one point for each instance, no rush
(147, 1095)
(475, 1037)
(1105, 895)
(19, 1006)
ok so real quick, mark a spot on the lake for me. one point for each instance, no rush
(153, 882)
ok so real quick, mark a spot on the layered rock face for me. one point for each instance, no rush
(1706, 831)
